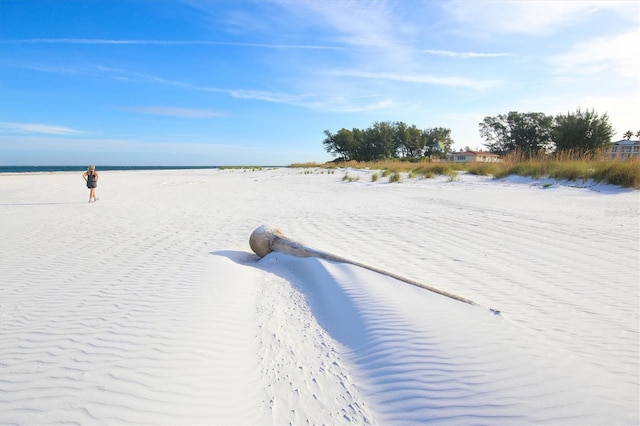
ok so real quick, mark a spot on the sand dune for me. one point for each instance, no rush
(149, 307)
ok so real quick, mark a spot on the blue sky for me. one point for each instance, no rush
(215, 82)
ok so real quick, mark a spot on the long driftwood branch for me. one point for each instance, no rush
(266, 239)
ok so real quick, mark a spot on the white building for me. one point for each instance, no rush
(623, 149)
(473, 156)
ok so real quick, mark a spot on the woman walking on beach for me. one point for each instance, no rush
(91, 177)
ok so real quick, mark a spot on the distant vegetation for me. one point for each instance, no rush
(568, 146)
(535, 133)
(566, 165)
(530, 134)
(384, 140)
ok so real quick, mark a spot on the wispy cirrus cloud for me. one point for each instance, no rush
(177, 112)
(462, 82)
(37, 128)
(114, 73)
(268, 96)
(378, 24)
(612, 54)
(315, 102)
(464, 55)
(531, 17)
(307, 100)
(368, 29)
(165, 43)
(127, 75)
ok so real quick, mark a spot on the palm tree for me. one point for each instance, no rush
(627, 135)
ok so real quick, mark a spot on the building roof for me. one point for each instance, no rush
(476, 153)
(626, 142)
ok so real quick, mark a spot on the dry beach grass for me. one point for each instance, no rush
(562, 166)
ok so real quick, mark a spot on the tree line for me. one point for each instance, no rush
(530, 134)
(534, 133)
(384, 140)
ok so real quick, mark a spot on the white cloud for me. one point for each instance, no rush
(39, 128)
(375, 24)
(314, 102)
(304, 99)
(265, 95)
(369, 30)
(90, 41)
(359, 23)
(618, 54)
(177, 112)
(532, 17)
(464, 55)
(351, 105)
(462, 82)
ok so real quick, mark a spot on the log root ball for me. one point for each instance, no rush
(262, 238)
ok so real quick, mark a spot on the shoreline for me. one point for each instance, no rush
(58, 168)
(544, 182)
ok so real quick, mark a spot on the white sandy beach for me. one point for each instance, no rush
(149, 306)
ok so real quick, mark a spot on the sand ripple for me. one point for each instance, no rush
(147, 307)
(421, 358)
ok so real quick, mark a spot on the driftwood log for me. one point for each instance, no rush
(266, 239)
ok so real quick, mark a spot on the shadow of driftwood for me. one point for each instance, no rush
(239, 257)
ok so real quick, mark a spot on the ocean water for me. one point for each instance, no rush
(46, 169)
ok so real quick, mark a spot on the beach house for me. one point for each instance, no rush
(472, 156)
(623, 149)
